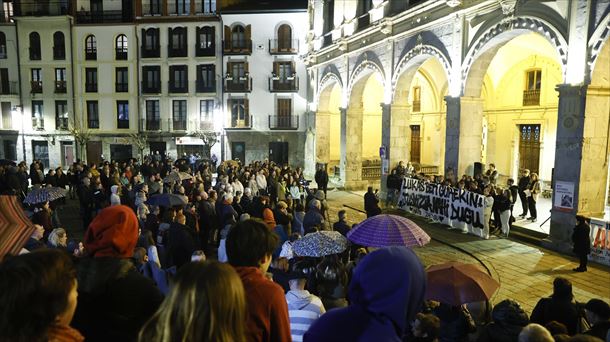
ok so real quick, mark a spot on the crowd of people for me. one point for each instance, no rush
(218, 265)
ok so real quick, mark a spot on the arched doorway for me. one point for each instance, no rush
(328, 127)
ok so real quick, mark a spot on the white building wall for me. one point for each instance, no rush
(9, 132)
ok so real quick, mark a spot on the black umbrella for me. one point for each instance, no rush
(167, 200)
(6, 162)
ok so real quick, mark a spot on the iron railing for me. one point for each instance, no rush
(238, 84)
(205, 87)
(36, 86)
(154, 89)
(9, 88)
(531, 97)
(240, 123)
(283, 47)
(243, 47)
(283, 122)
(283, 84)
(60, 87)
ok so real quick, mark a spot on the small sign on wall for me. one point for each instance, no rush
(564, 196)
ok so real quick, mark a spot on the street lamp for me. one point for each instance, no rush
(18, 109)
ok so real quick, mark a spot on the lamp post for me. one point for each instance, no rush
(14, 114)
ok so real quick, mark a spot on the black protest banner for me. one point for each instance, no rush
(451, 206)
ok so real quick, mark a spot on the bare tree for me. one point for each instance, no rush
(140, 141)
(209, 139)
(81, 137)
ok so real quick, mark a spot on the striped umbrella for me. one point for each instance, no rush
(388, 230)
(47, 194)
(15, 227)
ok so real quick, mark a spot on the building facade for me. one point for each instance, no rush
(455, 85)
(264, 78)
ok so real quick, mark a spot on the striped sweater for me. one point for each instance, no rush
(303, 309)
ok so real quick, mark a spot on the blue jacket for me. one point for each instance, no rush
(386, 292)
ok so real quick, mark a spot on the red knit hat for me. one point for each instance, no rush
(113, 233)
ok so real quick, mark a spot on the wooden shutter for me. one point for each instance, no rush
(212, 31)
(158, 38)
(247, 111)
(227, 42)
(248, 35)
(276, 68)
(293, 68)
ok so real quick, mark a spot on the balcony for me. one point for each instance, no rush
(59, 53)
(151, 88)
(99, 17)
(151, 52)
(36, 87)
(91, 54)
(206, 87)
(61, 124)
(60, 87)
(205, 51)
(179, 125)
(283, 122)
(174, 88)
(283, 84)
(242, 84)
(8, 88)
(171, 52)
(38, 124)
(121, 87)
(240, 123)
(91, 87)
(120, 54)
(237, 48)
(279, 47)
(531, 97)
(155, 125)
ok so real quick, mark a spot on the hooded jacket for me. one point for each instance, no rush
(303, 309)
(114, 197)
(386, 292)
(508, 320)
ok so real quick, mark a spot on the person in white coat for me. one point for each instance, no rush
(489, 202)
(115, 199)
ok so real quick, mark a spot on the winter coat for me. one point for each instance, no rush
(371, 204)
(182, 242)
(508, 320)
(303, 309)
(321, 178)
(386, 292)
(313, 218)
(456, 323)
(114, 299)
(341, 227)
(581, 239)
(563, 311)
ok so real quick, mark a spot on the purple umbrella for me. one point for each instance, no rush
(388, 230)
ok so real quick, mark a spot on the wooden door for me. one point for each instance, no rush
(94, 152)
(529, 147)
(278, 152)
(238, 151)
(415, 143)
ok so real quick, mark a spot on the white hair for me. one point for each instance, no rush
(535, 333)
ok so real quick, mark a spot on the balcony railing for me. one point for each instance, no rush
(9, 88)
(61, 124)
(90, 54)
(38, 124)
(240, 123)
(86, 17)
(148, 89)
(36, 87)
(59, 52)
(3, 54)
(283, 122)
(169, 125)
(283, 47)
(237, 48)
(238, 84)
(34, 54)
(206, 51)
(172, 52)
(179, 125)
(91, 87)
(120, 54)
(121, 87)
(283, 84)
(151, 53)
(416, 106)
(174, 88)
(531, 97)
(371, 169)
(156, 125)
(60, 87)
(206, 87)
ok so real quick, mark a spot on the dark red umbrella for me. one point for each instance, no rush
(15, 227)
(456, 283)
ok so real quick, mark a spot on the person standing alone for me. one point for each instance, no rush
(321, 178)
(524, 184)
(582, 242)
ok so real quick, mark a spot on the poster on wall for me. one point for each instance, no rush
(564, 195)
(600, 241)
(457, 208)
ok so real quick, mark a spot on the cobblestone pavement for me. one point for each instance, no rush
(525, 272)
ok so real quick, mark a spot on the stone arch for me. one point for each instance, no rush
(599, 39)
(327, 80)
(484, 48)
(368, 64)
(412, 60)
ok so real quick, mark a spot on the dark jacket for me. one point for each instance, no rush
(386, 292)
(321, 178)
(341, 227)
(371, 205)
(524, 183)
(114, 299)
(508, 320)
(182, 242)
(563, 311)
(456, 323)
(581, 239)
(599, 330)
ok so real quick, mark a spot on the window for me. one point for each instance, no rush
(36, 85)
(151, 7)
(93, 119)
(7, 116)
(181, 7)
(61, 115)
(178, 80)
(150, 43)
(121, 48)
(284, 107)
(416, 99)
(60, 80)
(91, 80)
(206, 78)
(415, 143)
(151, 79)
(240, 117)
(90, 48)
(59, 46)
(206, 114)
(179, 114)
(122, 80)
(208, 7)
(533, 82)
(238, 79)
(122, 113)
(205, 41)
(35, 46)
(329, 14)
(153, 116)
(2, 45)
(284, 78)
(177, 42)
(37, 115)
(284, 38)
(238, 37)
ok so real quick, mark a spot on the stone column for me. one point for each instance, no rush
(464, 135)
(568, 161)
(386, 140)
(343, 143)
(400, 135)
(322, 137)
(452, 137)
(351, 161)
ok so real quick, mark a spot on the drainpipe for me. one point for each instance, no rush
(20, 90)
(78, 148)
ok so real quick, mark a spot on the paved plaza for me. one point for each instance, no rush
(525, 272)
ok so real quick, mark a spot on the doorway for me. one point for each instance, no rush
(40, 149)
(238, 151)
(278, 152)
(529, 147)
(157, 146)
(415, 144)
(120, 152)
(67, 153)
(94, 152)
